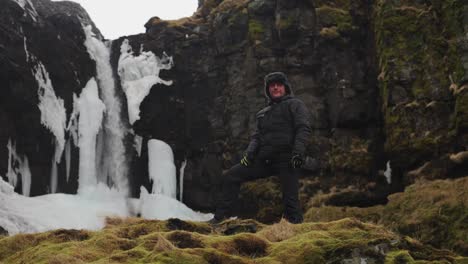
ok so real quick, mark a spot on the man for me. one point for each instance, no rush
(276, 148)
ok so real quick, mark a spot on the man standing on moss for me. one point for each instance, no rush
(276, 148)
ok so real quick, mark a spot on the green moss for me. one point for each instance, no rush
(333, 213)
(399, 257)
(328, 16)
(287, 22)
(353, 157)
(262, 196)
(417, 49)
(256, 29)
(344, 4)
(417, 131)
(461, 110)
(433, 212)
(280, 243)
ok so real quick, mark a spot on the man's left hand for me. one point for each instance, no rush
(297, 161)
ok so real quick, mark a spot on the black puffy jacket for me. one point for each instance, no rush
(283, 127)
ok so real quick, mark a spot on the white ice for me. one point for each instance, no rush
(88, 110)
(161, 168)
(95, 201)
(88, 210)
(20, 214)
(138, 74)
(18, 166)
(388, 173)
(158, 206)
(53, 113)
(181, 180)
(112, 161)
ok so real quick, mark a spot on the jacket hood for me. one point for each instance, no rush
(277, 77)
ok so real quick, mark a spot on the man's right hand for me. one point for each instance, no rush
(247, 160)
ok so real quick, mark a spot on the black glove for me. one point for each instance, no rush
(247, 160)
(296, 161)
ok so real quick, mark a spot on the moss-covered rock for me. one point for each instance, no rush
(354, 157)
(256, 29)
(417, 131)
(461, 110)
(261, 199)
(419, 62)
(433, 212)
(344, 240)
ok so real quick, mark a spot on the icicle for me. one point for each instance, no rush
(138, 144)
(11, 174)
(18, 166)
(53, 113)
(388, 173)
(181, 179)
(53, 178)
(68, 158)
(25, 176)
(161, 168)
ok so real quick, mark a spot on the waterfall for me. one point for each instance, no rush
(111, 157)
(138, 75)
(85, 123)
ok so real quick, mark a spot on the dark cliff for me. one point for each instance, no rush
(46, 33)
(384, 82)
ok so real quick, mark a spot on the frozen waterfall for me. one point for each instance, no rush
(97, 126)
(112, 164)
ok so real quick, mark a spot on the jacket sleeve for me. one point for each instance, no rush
(254, 142)
(301, 117)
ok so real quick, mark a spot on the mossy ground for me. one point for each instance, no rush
(429, 213)
(143, 241)
(435, 213)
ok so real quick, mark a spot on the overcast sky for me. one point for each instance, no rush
(116, 18)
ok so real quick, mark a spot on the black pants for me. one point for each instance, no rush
(238, 174)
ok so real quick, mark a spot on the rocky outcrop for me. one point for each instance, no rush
(221, 55)
(39, 32)
(385, 84)
(422, 80)
(434, 212)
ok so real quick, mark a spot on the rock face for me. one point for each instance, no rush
(39, 32)
(381, 85)
(422, 80)
(221, 55)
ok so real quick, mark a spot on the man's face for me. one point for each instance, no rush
(276, 90)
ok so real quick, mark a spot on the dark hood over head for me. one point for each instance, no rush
(277, 77)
